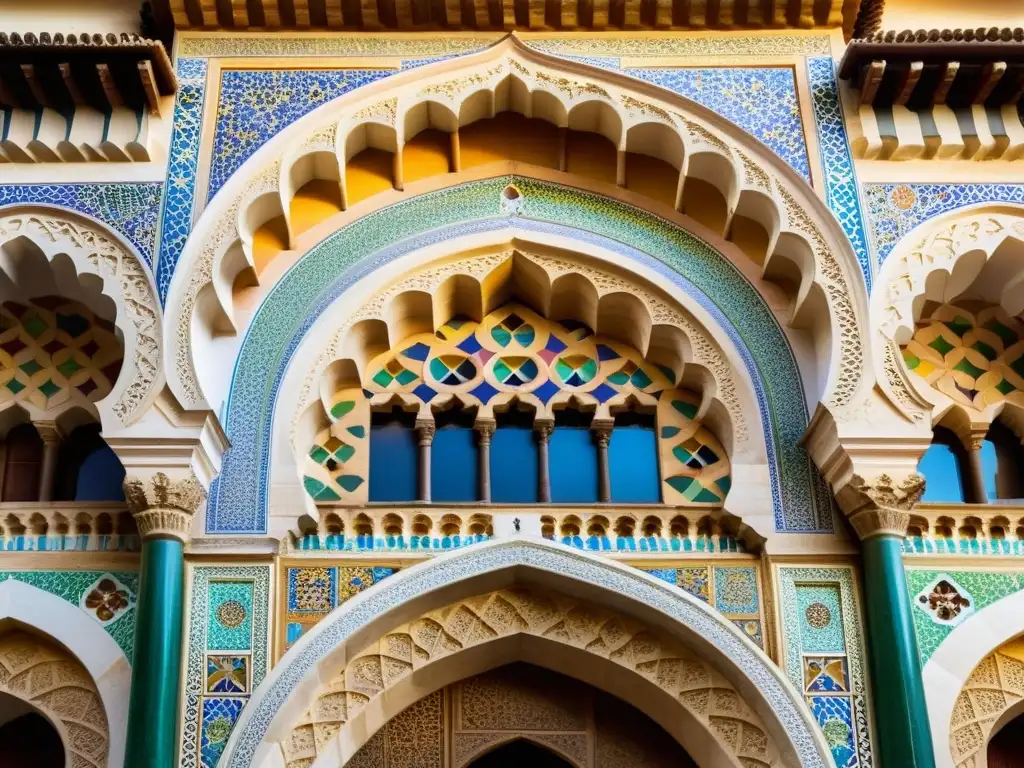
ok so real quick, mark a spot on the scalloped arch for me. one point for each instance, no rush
(95, 250)
(753, 689)
(509, 76)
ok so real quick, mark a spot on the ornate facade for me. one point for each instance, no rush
(428, 385)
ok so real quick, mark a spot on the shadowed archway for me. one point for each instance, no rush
(519, 753)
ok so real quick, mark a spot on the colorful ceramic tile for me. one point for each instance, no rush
(107, 599)
(752, 629)
(826, 674)
(821, 620)
(218, 718)
(311, 590)
(835, 716)
(229, 623)
(227, 674)
(696, 581)
(736, 590)
(130, 209)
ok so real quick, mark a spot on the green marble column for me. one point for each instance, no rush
(901, 717)
(156, 664)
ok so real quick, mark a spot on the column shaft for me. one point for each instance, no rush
(425, 431)
(544, 430)
(602, 435)
(976, 477)
(901, 715)
(485, 431)
(51, 451)
(156, 663)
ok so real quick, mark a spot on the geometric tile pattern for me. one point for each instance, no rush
(183, 161)
(842, 193)
(130, 209)
(975, 358)
(54, 350)
(238, 500)
(895, 209)
(227, 655)
(77, 587)
(951, 595)
(732, 590)
(824, 656)
(256, 105)
(514, 350)
(762, 101)
(312, 592)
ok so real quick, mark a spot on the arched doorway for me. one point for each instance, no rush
(27, 738)
(518, 753)
(1007, 746)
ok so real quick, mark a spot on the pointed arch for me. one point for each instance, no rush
(96, 251)
(749, 686)
(99, 656)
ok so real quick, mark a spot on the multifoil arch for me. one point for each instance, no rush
(295, 684)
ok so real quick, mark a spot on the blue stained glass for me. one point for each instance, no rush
(513, 465)
(633, 465)
(941, 471)
(453, 465)
(572, 462)
(393, 464)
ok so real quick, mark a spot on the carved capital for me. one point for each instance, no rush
(425, 429)
(602, 431)
(887, 504)
(485, 428)
(48, 431)
(163, 506)
(544, 428)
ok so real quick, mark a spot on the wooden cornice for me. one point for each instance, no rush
(507, 15)
(956, 68)
(64, 72)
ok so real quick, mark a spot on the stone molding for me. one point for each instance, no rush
(164, 507)
(887, 504)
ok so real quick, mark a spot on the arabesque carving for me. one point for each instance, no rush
(487, 74)
(164, 506)
(94, 252)
(54, 682)
(691, 681)
(994, 686)
(886, 504)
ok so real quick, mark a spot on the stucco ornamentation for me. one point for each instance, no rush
(162, 506)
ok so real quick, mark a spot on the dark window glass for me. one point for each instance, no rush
(88, 469)
(23, 464)
(572, 458)
(453, 457)
(633, 460)
(393, 456)
(514, 458)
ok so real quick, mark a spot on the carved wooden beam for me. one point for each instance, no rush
(508, 14)
(403, 14)
(240, 13)
(149, 87)
(600, 14)
(36, 87)
(911, 76)
(631, 16)
(663, 14)
(369, 10)
(110, 89)
(569, 14)
(335, 17)
(872, 79)
(991, 74)
(536, 13)
(271, 14)
(180, 13)
(71, 84)
(946, 82)
(301, 13)
(481, 14)
(698, 15)
(208, 8)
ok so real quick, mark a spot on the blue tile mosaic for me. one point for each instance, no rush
(218, 718)
(736, 590)
(835, 716)
(239, 496)
(895, 209)
(179, 200)
(229, 618)
(131, 210)
(255, 105)
(841, 191)
(821, 620)
(762, 101)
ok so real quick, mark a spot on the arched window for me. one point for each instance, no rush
(393, 456)
(1008, 470)
(572, 458)
(22, 464)
(940, 466)
(88, 469)
(514, 458)
(453, 462)
(633, 459)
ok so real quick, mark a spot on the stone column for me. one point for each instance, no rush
(901, 715)
(163, 508)
(602, 429)
(425, 431)
(974, 482)
(51, 451)
(543, 428)
(485, 430)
